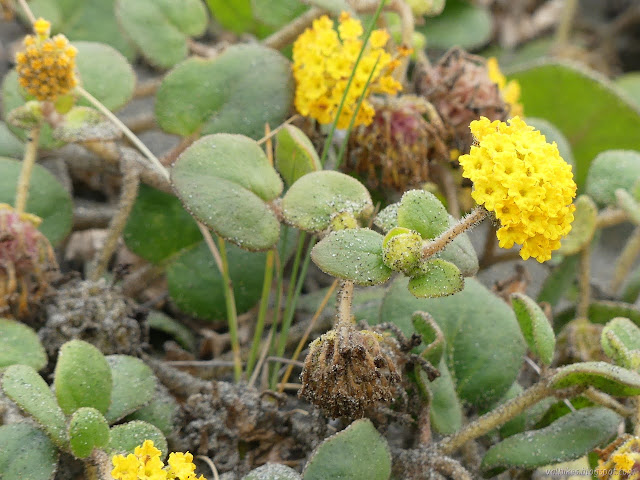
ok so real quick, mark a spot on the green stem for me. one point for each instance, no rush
(372, 25)
(439, 243)
(30, 154)
(262, 312)
(232, 314)
(582, 309)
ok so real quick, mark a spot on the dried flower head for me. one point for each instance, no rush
(323, 60)
(460, 89)
(26, 261)
(347, 371)
(510, 91)
(522, 179)
(393, 150)
(621, 460)
(46, 67)
(145, 464)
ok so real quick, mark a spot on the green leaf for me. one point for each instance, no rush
(560, 279)
(387, 218)
(88, 429)
(432, 336)
(277, 13)
(316, 197)
(553, 134)
(196, 286)
(472, 321)
(295, 154)
(161, 28)
(182, 334)
(620, 341)
(557, 92)
(273, 471)
(19, 344)
(30, 392)
(26, 453)
(583, 226)
(159, 226)
(237, 92)
(437, 278)
(629, 204)
(358, 452)
(445, 408)
(610, 171)
(226, 181)
(126, 437)
(568, 438)
(535, 326)
(82, 378)
(10, 146)
(461, 253)
(352, 254)
(235, 16)
(47, 198)
(133, 386)
(421, 211)
(461, 24)
(601, 375)
(630, 84)
(161, 412)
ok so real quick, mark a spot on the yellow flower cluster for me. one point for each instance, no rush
(46, 66)
(323, 60)
(510, 91)
(525, 181)
(145, 464)
(620, 464)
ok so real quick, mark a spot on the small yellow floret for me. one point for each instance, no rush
(46, 67)
(522, 179)
(323, 60)
(510, 91)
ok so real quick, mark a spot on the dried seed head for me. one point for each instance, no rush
(460, 88)
(346, 372)
(393, 150)
(26, 261)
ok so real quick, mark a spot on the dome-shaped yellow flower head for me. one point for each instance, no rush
(46, 66)
(323, 60)
(522, 179)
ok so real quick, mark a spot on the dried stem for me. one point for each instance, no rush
(626, 260)
(636, 416)
(290, 31)
(30, 154)
(211, 465)
(610, 217)
(27, 11)
(582, 310)
(128, 194)
(496, 417)
(450, 467)
(601, 398)
(441, 241)
(566, 21)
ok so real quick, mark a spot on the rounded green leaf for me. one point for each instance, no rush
(225, 181)
(235, 16)
(237, 92)
(82, 378)
(358, 452)
(161, 412)
(161, 28)
(275, 13)
(159, 226)
(445, 408)
(472, 321)
(10, 146)
(620, 340)
(316, 197)
(126, 437)
(462, 24)
(421, 211)
(583, 226)
(47, 198)
(88, 429)
(273, 471)
(535, 326)
(30, 392)
(436, 278)
(295, 154)
(353, 254)
(133, 386)
(557, 92)
(26, 453)
(568, 438)
(196, 286)
(610, 171)
(105, 74)
(19, 344)
(601, 375)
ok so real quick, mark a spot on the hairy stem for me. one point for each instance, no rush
(290, 31)
(582, 310)
(626, 260)
(451, 468)
(601, 398)
(345, 299)
(98, 466)
(496, 417)
(466, 223)
(30, 154)
(610, 217)
(128, 195)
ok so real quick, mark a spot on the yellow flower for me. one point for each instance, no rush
(524, 181)
(323, 60)
(46, 66)
(510, 91)
(181, 465)
(622, 462)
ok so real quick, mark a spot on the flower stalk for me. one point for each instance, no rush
(445, 238)
(29, 160)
